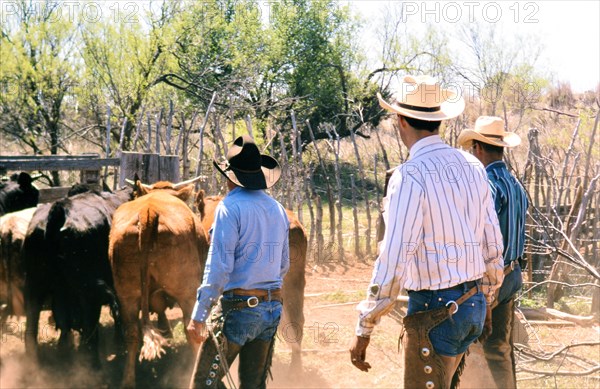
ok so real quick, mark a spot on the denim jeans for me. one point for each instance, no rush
(511, 285)
(246, 324)
(454, 335)
(245, 331)
(498, 348)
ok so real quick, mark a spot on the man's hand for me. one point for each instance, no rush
(487, 325)
(197, 331)
(358, 353)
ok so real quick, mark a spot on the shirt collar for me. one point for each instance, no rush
(495, 165)
(424, 143)
(235, 190)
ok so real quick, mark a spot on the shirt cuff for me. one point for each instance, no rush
(200, 313)
(363, 328)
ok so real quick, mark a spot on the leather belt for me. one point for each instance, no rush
(510, 267)
(463, 286)
(256, 296)
(253, 292)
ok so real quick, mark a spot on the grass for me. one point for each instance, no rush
(573, 304)
(340, 296)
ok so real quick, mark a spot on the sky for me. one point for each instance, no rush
(569, 31)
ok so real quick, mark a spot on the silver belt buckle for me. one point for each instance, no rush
(512, 265)
(252, 301)
(455, 306)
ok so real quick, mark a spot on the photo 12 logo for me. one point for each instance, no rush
(71, 11)
(455, 12)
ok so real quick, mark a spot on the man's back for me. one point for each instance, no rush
(261, 246)
(449, 198)
(511, 205)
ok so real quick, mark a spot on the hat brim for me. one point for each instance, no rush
(466, 138)
(268, 176)
(448, 109)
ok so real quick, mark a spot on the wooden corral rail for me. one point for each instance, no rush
(55, 162)
(89, 164)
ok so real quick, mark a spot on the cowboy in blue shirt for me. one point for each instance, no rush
(247, 260)
(487, 142)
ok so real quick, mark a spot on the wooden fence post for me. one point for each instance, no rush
(137, 128)
(308, 186)
(327, 185)
(158, 120)
(149, 143)
(297, 149)
(108, 114)
(201, 138)
(355, 217)
(338, 180)
(169, 127)
(364, 192)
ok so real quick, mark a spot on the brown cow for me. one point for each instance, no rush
(156, 244)
(13, 227)
(292, 318)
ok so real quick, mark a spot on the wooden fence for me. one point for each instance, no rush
(336, 200)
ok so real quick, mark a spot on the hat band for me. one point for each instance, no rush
(417, 108)
(492, 135)
(229, 167)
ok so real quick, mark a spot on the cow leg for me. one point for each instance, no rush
(130, 314)
(3, 314)
(158, 304)
(164, 326)
(32, 312)
(292, 325)
(65, 345)
(90, 335)
(186, 301)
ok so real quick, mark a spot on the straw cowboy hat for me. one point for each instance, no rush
(247, 167)
(490, 130)
(422, 97)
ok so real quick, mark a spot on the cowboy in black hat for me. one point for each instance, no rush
(247, 260)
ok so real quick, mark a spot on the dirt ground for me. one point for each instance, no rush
(331, 297)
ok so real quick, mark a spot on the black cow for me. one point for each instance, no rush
(18, 194)
(66, 259)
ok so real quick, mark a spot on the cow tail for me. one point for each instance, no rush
(113, 301)
(152, 347)
(6, 258)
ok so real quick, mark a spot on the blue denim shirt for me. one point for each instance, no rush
(249, 247)
(511, 205)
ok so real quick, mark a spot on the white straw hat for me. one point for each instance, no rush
(490, 130)
(422, 97)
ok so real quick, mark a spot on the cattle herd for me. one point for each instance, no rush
(139, 249)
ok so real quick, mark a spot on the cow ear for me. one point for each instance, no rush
(185, 193)
(200, 202)
(139, 189)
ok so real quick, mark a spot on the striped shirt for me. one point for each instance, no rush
(511, 205)
(441, 229)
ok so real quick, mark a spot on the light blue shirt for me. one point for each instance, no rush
(511, 204)
(249, 247)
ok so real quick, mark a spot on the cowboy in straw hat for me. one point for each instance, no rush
(487, 142)
(488, 130)
(247, 260)
(426, 213)
(422, 97)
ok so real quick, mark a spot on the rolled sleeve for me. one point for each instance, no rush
(404, 224)
(492, 251)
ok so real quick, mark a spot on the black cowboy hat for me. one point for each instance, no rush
(247, 167)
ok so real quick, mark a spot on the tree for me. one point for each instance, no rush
(37, 75)
(501, 73)
(126, 61)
